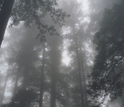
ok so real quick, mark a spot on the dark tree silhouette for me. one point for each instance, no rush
(108, 68)
(5, 12)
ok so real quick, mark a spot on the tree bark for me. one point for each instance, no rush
(4, 17)
(42, 78)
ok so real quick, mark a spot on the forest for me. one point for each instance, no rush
(61, 53)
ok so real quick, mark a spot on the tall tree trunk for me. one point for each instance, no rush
(16, 84)
(82, 61)
(54, 43)
(42, 78)
(68, 96)
(25, 82)
(4, 17)
(81, 74)
(54, 69)
(53, 90)
(3, 90)
(84, 89)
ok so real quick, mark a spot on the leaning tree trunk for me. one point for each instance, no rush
(4, 17)
(42, 77)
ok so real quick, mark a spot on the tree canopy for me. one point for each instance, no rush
(32, 13)
(108, 68)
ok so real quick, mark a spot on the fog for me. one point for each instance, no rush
(63, 61)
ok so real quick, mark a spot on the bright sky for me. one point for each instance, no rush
(85, 5)
(66, 59)
(65, 55)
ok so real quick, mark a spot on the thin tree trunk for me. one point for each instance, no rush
(16, 84)
(3, 90)
(68, 96)
(79, 74)
(4, 17)
(42, 78)
(53, 91)
(83, 75)
(25, 83)
(54, 69)
(84, 88)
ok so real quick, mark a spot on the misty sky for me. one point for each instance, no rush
(21, 47)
